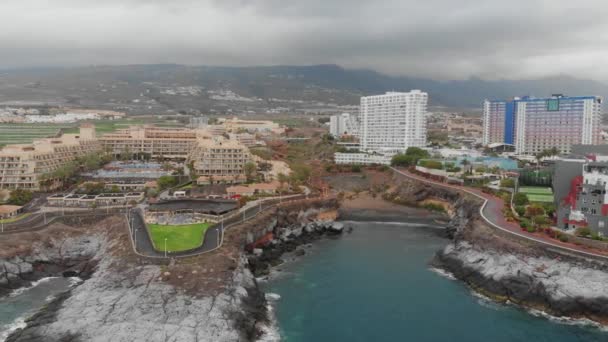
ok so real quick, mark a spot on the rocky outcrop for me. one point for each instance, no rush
(70, 257)
(131, 304)
(565, 288)
(288, 239)
(131, 299)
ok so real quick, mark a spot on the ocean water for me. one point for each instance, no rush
(376, 285)
(22, 303)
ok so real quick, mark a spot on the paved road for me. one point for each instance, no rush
(491, 212)
(213, 236)
(41, 219)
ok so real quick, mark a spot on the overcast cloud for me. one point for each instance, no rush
(441, 39)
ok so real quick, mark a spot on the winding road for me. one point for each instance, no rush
(492, 212)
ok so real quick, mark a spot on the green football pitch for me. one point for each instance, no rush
(179, 238)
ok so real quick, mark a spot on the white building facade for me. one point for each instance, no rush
(362, 158)
(343, 124)
(392, 122)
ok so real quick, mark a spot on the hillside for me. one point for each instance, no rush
(160, 88)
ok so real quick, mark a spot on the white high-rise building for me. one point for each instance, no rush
(343, 124)
(392, 122)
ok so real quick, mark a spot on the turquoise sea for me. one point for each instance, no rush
(376, 285)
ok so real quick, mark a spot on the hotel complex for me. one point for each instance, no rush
(22, 166)
(25, 166)
(533, 125)
(392, 122)
(157, 142)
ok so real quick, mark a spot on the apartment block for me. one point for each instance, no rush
(23, 166)
(343, 124)
(215, 156)
(392, 122)
(536, 124)
(158, 142)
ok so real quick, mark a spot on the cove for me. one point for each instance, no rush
(376, 285)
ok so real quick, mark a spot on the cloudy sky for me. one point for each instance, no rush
(441, 39)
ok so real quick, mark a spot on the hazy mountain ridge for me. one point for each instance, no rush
(145, 86)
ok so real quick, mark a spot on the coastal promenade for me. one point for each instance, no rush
(492, 212)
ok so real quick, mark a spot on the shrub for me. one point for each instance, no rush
(165, 182)
(431, 164)
(563, 238)
(520, 210)
(520, 199)
(20, 197)
(507, 183)
(434, 207)
(531, 229)
(584, 232)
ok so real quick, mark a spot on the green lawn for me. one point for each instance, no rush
(179, 238)
(537, 194)
(540, 198)
(26, 132)
(538, 190)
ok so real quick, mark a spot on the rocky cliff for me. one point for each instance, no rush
(212, 297)
(509, 269)
(125, 298)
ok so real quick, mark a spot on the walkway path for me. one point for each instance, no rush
(492, 212)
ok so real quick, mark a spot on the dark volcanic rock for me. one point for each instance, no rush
(260, 264)
(571, 289)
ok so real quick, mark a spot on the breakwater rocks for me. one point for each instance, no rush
(560, 287)
(267, 252)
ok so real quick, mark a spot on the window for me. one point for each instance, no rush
(552, 105)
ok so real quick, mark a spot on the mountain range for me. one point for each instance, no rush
(165, 87)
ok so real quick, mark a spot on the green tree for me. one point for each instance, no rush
(94, 188)
(125, 155)
(300, 173)
(520, 199)
(250, 170)
(166, 182)
(283, 179)
(431, 164)
(402, 160)
(507, 183)
(20, 197)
